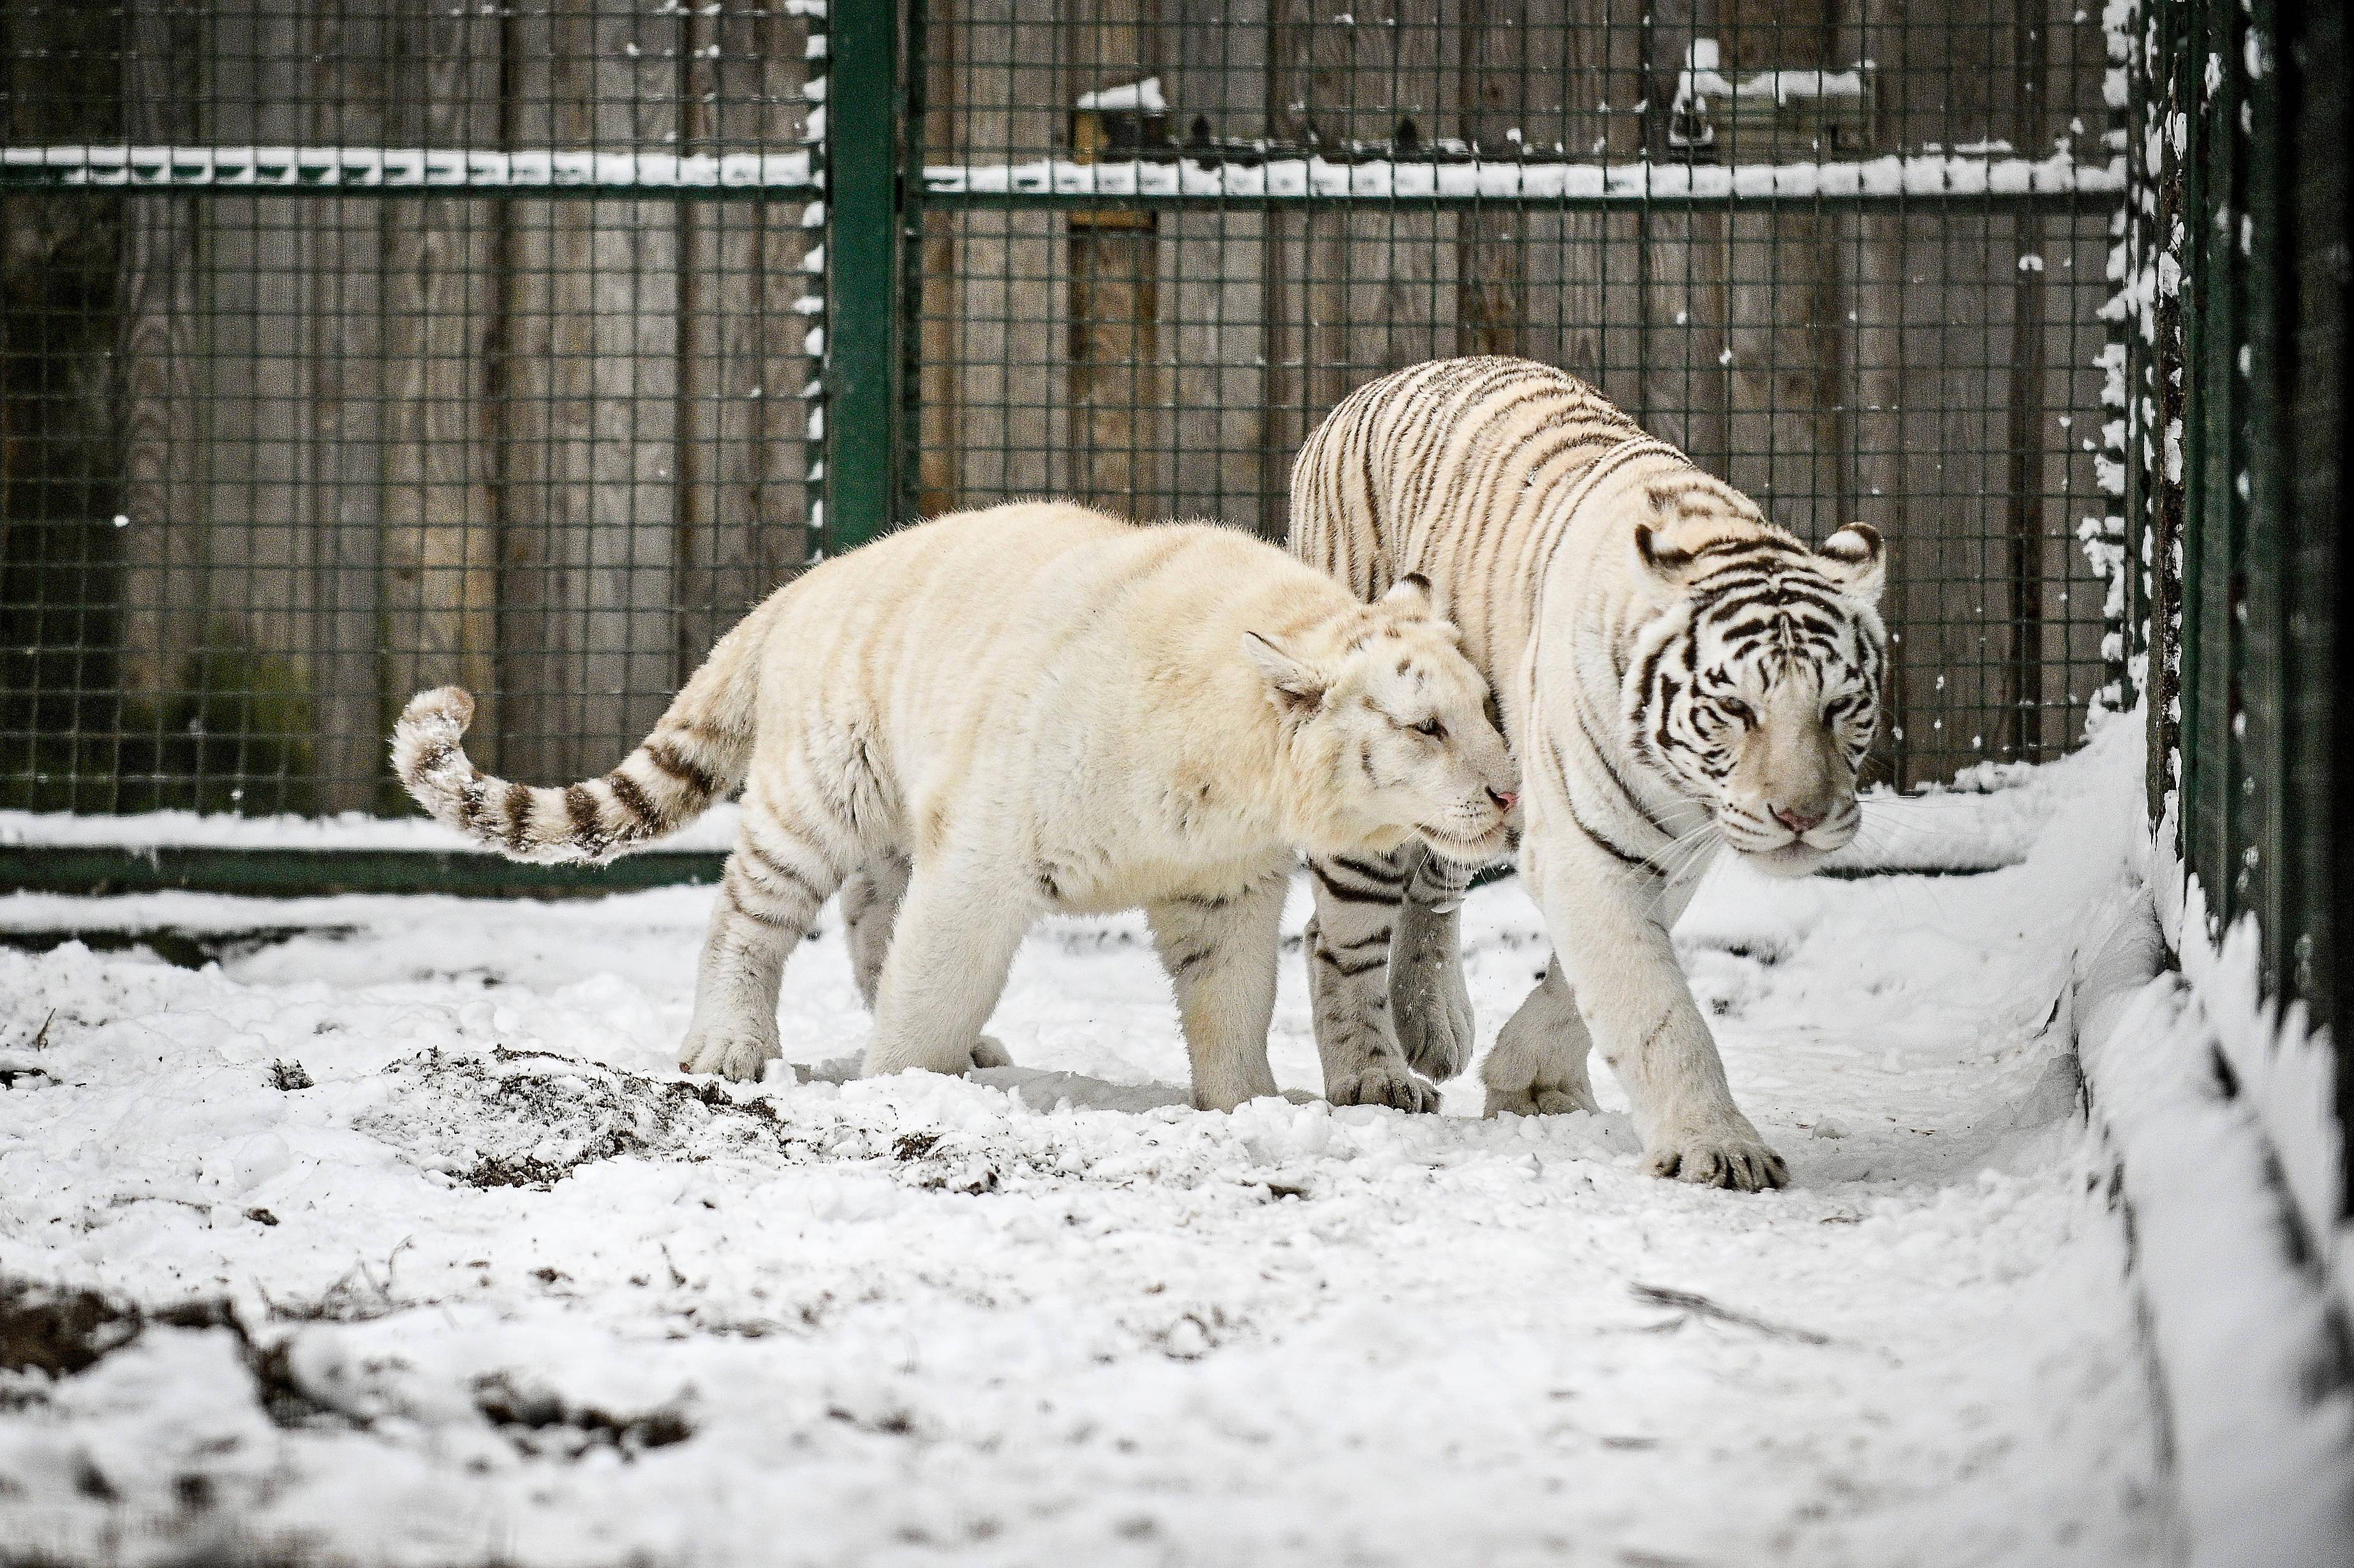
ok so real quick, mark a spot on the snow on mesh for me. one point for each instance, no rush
(1948, 174)
(367, 167)
(149, 830)
(1986, 817)
(1137, 95)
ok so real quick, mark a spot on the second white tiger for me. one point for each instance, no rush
(992, 716)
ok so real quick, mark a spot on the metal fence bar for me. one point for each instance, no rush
(864, 394)
(2245, 112)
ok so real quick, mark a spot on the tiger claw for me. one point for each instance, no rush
(1739, 1163)
(1383, 1082)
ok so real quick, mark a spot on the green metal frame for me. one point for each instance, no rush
(865, 363)
(2256, 754)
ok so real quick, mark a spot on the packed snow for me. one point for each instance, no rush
(367, 168)
(392, 1236)
(1134, 97)
(1924, 175)
(1986, 817)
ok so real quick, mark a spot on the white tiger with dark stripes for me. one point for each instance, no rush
(985, 718)
(1674, 674)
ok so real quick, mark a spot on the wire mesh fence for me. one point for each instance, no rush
(1850, 257)
(2236, 263)
(354, 346)
(348, 347)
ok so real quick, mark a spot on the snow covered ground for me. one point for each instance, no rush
(401, 1239)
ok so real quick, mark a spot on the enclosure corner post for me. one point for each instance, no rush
(863, 267)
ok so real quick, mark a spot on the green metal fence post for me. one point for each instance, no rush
(864, 400)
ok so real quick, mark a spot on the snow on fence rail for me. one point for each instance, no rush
(1177, 179)
(1313, 178)
(404, 168)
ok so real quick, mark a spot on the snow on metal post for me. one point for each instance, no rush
(864, 404)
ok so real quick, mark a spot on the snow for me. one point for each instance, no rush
(149, 830)
(372, 168)
(500, 1283)
(1377, 179)
(1986, 817)
(1137, 95)
(2264, 1433)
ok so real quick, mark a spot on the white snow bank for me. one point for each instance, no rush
(1940, 175)
(504, 1284)
(2261, 1420)
(370, 167)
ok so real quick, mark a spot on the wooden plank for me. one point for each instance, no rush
(344, 382)
(587, 649)
(1787, 426)
(743, 511)
(439, 606)
(60, 323)
(1118, 443)
(1214, 69)
(941, 265)
(1303, 308)
(1685, 306)
(161, 588)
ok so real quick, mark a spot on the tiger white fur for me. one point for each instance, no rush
(1033, 708)
(1674, 672)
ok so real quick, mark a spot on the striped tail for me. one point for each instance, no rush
(696, 755)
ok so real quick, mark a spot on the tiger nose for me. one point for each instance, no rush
(1505, 799)
(1798, 821)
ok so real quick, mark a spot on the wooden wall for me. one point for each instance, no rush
(551, 446)
(548, 448)
(1904, 369)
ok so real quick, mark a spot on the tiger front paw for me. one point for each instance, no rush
(1383, 1081)
(732, 1053)
(1732, 1157)
(1530, 1074)
(1431, 1009)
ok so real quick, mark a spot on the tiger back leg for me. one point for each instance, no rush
(950, 951)
(1348, 942)
(1430, 1008)
(870, 909)
(784, 866)
(871, 897)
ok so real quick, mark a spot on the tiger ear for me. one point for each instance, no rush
(1664, 564)
(1414, 594)
(1293, 684)
(1855, 560)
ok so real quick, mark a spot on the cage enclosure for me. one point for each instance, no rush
(348, 348)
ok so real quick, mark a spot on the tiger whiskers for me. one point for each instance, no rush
(1680, 853)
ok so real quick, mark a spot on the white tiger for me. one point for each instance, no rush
(1674, 672)
(1027, 709)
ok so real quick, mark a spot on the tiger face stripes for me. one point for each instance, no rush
(1756, 687)
(1675, 675)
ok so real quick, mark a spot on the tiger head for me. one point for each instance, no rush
(1757, 686)
(1391, 722)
